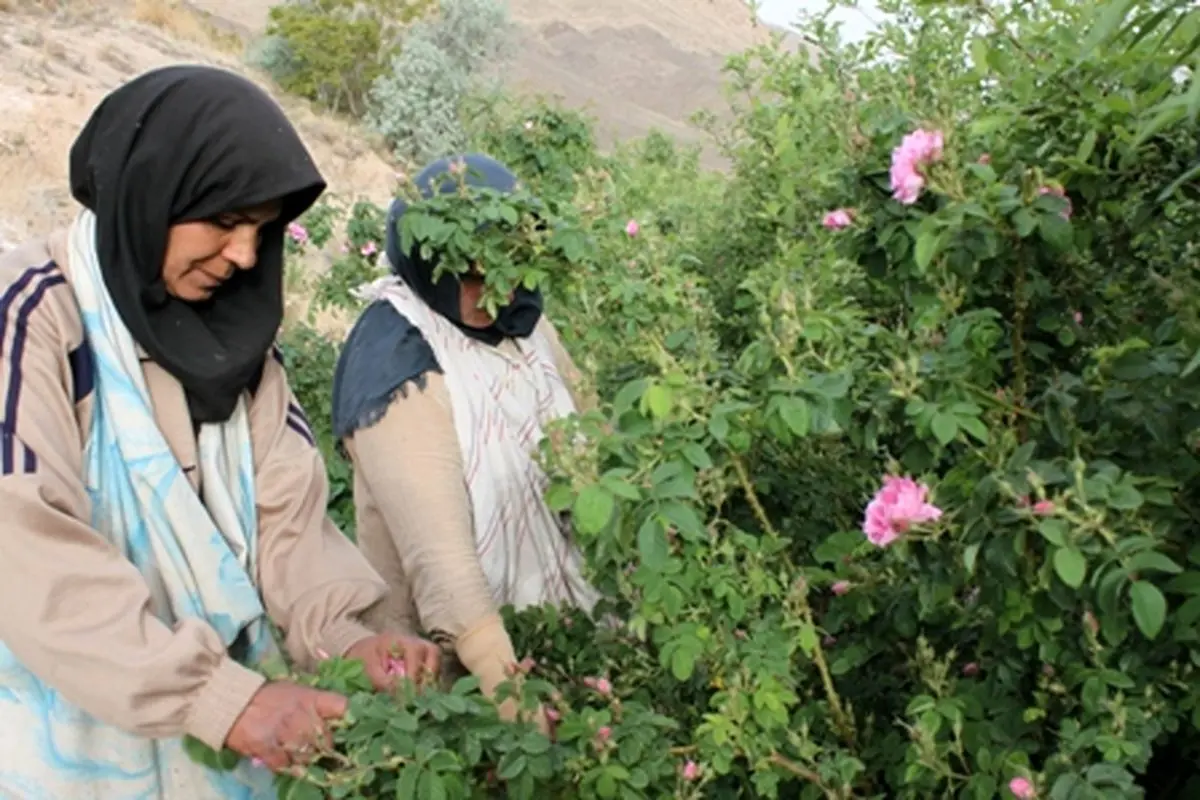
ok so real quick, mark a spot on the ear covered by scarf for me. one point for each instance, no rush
(182, 144)
(520, 317)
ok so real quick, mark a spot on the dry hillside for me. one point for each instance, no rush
(635, 64)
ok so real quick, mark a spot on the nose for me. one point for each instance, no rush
(242, 247)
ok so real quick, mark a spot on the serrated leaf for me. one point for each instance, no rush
(1149, 607)
(1071, 566)
(593, 509)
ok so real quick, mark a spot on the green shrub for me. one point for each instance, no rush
(331, 51)
(1013, 326)
(415, 103)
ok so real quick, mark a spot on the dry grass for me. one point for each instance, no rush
(185, 23)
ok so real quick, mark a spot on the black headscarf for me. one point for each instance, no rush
(515, 320)
(182, 144)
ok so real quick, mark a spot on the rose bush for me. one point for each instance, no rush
(894, 486)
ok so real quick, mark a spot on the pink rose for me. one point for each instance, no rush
(840, 588)
(899, 505)
(838, 219)
(632, 228)
(1043, 508)
(691, 770)
(1022, 788)
(916, 150)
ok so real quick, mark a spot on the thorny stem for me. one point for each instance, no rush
(1018, 341)
(787, 765)
(841, 719)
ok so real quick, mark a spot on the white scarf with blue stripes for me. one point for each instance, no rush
(197, 554)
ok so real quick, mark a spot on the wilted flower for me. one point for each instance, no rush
(899, 505)
(1022, 788)
(919, 148)
(838, 219)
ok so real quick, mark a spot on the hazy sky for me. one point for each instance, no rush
(854, 23)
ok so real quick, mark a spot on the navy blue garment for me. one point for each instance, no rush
(385, 351)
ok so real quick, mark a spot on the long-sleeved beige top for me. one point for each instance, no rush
(415, 523)
(75, 611)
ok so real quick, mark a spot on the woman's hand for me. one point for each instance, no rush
(388, 656)
(285, 724)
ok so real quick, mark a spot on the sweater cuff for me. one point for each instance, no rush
(341, 636)
(221, 701)
(487, 652)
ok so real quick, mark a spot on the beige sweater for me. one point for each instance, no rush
(415, 526)
(75, 611)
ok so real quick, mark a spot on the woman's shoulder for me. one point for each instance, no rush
(383, 353)
(35, 293)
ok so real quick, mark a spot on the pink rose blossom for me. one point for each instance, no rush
(396, 667)
(603, 735)
(298, 233)
(919, 148)
(970, 669)
(838, 219)
(553, 715)
(691, 770)
(985, 159)
(1078, 317)
(369, 249)
(899, 505)
(632, 228)
(1022, 788)
(1058, 191)
(1044, 508)
(840, 588)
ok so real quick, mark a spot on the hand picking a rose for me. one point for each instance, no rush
(285, 725)
(389, 656)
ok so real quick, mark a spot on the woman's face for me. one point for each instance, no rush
(202, 255)
(470, 293)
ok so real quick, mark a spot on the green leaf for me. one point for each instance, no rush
(1149, 607)
(658, 400)
(928, 244)
(697, 455)
(432, 787)
(593, 509)
(683, 663)
(970, 554)
(512, 765)
(979, 54)
(944, 427)
(1124, 497)
(1054, 531)
(685, 519)
(1071, 566)
(1106, 22)
(1056, 232)
(406, 786)
(975, 427)
(796, 414)
(1086, 146)
(652, 544)
(1150, 561)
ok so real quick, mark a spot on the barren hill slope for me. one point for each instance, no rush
(55, 67)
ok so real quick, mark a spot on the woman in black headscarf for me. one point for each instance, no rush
(163, 495)
(442, 407)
